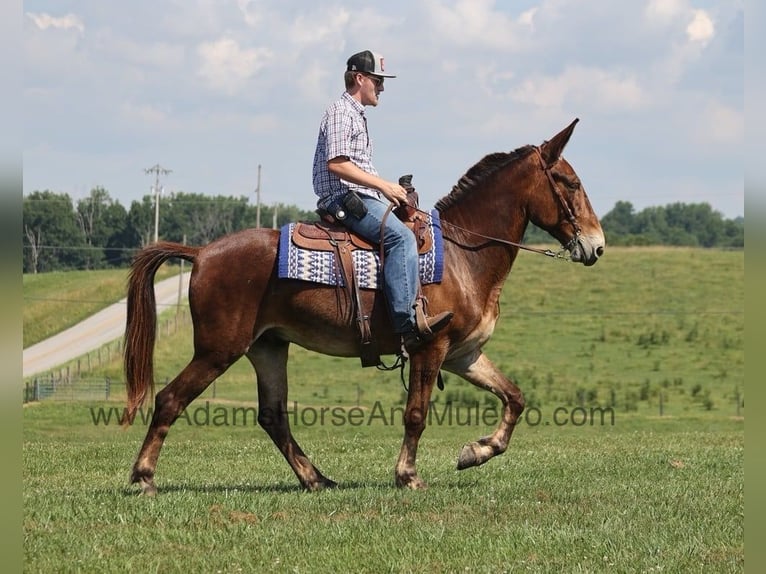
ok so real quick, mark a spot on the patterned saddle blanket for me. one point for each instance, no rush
(299, 260)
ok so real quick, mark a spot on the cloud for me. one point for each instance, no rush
(45, 21)
(227, 67)
(577, 85)
(142, 114)
(180, 80)
(161, 55)
(310, 30)
(476, 23)
(252, 17)
(701, 28)
(718, 124)
(55, 54)
(663, 11)
(528, 18)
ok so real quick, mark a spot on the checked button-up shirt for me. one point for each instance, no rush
(342, 132)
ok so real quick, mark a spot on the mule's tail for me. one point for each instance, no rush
(141, 325)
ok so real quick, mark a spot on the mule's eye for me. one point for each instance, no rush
(574, 184)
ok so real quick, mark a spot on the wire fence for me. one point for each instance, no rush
(40, 389)
(74, 380)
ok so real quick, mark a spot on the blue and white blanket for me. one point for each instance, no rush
(321, 266)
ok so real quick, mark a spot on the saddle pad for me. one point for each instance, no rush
(321, 267)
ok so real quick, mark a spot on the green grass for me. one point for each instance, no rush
(55, 301)
(640, 496)
(649, 493)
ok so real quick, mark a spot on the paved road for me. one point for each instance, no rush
(95, 331)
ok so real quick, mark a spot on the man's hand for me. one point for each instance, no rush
(394, 193)
(344, 168)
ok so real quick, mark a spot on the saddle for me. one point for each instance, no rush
(326, 234)
(330, 235)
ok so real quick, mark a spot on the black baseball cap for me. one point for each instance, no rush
(369, 63)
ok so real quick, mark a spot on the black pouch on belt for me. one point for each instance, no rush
(354, 205)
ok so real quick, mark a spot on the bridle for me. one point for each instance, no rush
(562, 253)
(562, 200)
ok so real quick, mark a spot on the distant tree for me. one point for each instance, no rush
(650, 226)
(34, 244)
(103, 223)
(201, 218)
(51, 237)
(141, 220)
(734, 233)
(694, 224)
(620, 220)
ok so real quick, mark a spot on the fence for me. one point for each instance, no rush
(75, 381)
(68, 390)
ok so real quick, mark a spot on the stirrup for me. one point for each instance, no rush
(425, 330)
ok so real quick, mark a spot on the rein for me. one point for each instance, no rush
(561, 254)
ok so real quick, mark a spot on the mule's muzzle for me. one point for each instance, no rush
(588, 249)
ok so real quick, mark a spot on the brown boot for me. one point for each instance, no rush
(414, 339)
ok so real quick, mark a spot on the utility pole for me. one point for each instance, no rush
(258, 200)
(157, 169)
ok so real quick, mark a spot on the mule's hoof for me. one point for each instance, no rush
(411, 483)
(147, 487)
(145, 481)
(417, 484)
(321, 484)
(467, 457)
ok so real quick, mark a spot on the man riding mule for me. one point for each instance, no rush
(351, 191)
(240, 306)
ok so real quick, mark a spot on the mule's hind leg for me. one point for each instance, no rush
(480, 371)
(269, 357)
(168, 405)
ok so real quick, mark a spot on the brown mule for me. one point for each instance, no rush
(240, 307)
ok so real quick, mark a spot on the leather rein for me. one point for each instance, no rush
(562, 253)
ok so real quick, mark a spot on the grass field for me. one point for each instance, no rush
(654, 338)
(640, 496)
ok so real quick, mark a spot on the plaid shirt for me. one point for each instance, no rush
(342, 133)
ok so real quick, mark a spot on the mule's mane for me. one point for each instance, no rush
(485, 168)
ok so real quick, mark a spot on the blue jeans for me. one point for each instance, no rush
(400, 249)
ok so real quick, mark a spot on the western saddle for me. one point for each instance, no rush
(330, 235)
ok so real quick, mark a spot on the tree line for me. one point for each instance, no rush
(97, 232)
(676, 224)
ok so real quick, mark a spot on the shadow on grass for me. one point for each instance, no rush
(171, 488)
(251, 488)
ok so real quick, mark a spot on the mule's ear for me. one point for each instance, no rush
(551, 150)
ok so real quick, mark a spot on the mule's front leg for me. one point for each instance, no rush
(422, 378)
(480, 371)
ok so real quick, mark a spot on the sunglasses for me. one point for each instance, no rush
(377, 80)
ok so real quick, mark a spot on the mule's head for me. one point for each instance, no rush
(559, 205)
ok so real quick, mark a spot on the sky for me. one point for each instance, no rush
(211, 89)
